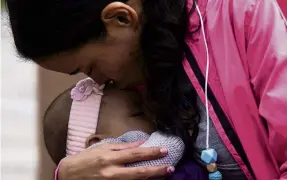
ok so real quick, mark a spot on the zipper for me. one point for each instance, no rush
(229, 131)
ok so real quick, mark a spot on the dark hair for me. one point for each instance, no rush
(44, 28)
(162, 45)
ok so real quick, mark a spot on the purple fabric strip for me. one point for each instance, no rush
(189, 171)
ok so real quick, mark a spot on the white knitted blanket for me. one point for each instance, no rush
(174, 145)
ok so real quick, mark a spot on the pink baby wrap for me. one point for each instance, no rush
(84, 114)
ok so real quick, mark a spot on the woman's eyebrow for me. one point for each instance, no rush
(74, 72)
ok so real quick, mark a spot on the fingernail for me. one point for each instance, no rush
(163, 151)
(170, 169)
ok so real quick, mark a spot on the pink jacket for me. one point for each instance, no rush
(283, 5)
(247, 47)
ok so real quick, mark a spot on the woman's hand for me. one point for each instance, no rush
(107, 161)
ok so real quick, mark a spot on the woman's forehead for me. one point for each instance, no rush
(62, 64)
(65, 62)
(69, 62)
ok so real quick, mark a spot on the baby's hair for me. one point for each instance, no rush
(55, 125)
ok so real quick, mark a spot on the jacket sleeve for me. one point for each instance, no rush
(266, 37)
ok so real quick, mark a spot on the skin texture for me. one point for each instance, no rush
(118, 114)
(136, 42)
(109, 164)
(121, 111)
(117, 57)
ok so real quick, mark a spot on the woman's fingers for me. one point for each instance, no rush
(107, 162)
(139, 154)
(124, 153)
(123, 146)
(137, 173)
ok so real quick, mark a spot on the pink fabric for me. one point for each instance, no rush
(283, 5)
(84, 114)
(247, 42)
(217, 125)
(57, 170)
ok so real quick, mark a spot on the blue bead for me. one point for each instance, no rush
(215, 176)
(209, 156)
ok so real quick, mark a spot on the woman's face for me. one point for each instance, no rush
(117, 57)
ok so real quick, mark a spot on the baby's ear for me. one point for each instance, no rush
(93, 139)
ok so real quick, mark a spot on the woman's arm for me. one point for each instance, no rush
(107, 162)
(267, 57)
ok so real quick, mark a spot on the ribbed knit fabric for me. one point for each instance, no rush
(83, 121)
(83, 116)
(174, 145)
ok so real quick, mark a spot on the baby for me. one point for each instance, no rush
(92, 116)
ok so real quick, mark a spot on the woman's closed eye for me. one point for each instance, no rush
(74, 72)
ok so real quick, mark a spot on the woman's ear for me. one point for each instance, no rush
(118, 14)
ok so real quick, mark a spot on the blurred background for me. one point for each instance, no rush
(27, 91)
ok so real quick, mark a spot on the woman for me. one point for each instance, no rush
(172, 47)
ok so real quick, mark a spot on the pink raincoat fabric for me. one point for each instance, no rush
(283, 5)
(247, 42)
(247, 47)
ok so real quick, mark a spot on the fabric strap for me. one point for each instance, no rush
(84, 115)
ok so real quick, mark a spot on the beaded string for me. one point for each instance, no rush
(209, 155)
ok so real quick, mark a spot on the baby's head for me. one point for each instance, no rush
(120, 111)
